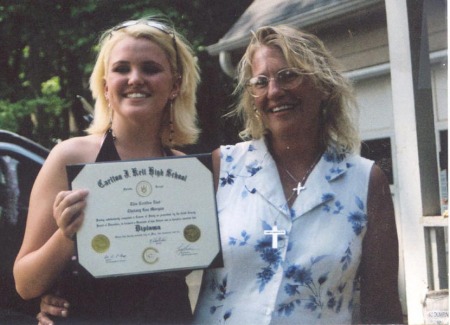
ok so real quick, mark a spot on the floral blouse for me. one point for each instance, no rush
(309, 277)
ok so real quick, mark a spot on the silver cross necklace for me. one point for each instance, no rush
(275, 232)
(301, 184)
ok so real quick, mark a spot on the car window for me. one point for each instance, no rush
(17, 175)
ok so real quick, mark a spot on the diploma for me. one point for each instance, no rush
(147, 216)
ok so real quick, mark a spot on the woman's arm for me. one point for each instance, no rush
(46, 249)
(380, 302)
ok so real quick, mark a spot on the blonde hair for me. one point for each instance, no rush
(184, 67)
(306, 52)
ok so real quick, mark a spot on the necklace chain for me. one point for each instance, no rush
(275, 232)
(301, 183)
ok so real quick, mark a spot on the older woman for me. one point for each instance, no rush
(144, 83)
(302, 216)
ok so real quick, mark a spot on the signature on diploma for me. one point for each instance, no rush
(114, 258)
(186, 250)
(158, 240)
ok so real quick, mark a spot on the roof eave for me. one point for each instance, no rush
(313, 17)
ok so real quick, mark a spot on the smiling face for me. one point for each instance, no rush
(139, 80)
(293, 112)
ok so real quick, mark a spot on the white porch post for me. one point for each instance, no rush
(413, 173)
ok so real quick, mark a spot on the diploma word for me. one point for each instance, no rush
(139, 172)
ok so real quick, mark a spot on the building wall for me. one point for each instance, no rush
(376, 125)
(362, 41)
(439, 83)
(437, 24)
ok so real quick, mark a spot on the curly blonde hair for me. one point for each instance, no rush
(306, 52)
(183, 64)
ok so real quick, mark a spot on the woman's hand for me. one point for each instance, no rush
(52, 305)
(68, 211)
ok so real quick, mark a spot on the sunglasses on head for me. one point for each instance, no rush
(154, 24)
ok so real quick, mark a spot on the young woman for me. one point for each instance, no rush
(144, 83)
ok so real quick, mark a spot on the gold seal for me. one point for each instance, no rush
(143, 188)
(100, 243)
(192, 233)
(150, 255)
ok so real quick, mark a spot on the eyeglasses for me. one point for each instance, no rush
(155, 24)
(286, 79)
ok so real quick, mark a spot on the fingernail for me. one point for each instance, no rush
(66, 305)
(64, 313)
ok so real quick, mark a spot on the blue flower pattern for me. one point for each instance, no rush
(270, 256)
(302, 276)
(303, 286)
(230, 177)
(242, 241)
(221, 293)
(253, 168)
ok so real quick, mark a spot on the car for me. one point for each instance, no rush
(20, 162)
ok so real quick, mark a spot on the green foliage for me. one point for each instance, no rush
(45, 112)
(51, 86)
(42, 39)
(12, 113)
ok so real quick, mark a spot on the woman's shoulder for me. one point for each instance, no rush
(240, 147)
(82, 149)
(352, 159)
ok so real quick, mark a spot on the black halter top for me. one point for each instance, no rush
(140, 299)
(108, 151)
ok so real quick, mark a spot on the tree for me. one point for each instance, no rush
(53, 42)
